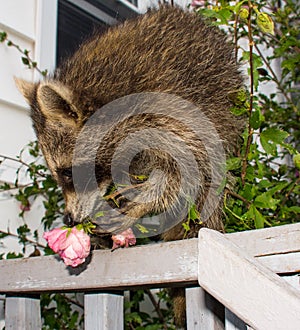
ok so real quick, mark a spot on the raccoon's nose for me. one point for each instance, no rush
(68, 220)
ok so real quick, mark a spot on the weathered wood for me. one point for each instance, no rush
(203, 311)
(293, 280)
(282, 263)
(103, 311)
(22, 313)
(268, 241)
(152, 265)
(251, 291)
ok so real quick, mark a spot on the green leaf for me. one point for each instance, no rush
(256, 119)
(141, 228)
(194, 214)
(99, 214)
(233, 163)
(266, 201)
(25, 61)
(2, 235)
(248, 191)
(295, 209)
(3, 36)
(13, 255)
(296, 160)
(271, 138)
(275, 134)
(256, 216)
(186, 226)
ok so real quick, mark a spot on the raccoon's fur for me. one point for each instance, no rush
(164, 51)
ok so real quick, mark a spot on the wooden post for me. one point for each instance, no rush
(103, 311)
(251, 291)
(203, 311)
(22, 313)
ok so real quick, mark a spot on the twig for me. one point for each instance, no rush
(287, 195)
(234, 194)
(236, 37)
(274, 77)
(35, 243)
(74, 302)
(27, 60)
(250, 129)
(20, 161)
(157, 308)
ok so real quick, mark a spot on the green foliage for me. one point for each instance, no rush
(265, 174)
(263, 186)
(161, 317)
(59, 313)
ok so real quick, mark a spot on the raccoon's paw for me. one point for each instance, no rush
(124, 239)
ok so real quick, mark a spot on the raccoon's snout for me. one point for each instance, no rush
(68, 220)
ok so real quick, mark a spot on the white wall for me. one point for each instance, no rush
(31, 24)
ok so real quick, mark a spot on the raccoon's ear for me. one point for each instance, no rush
(27, 89)
(55, 101)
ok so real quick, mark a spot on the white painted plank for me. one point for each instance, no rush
(282, 263)
(267, 241)
(161, 264)
(203, 311)
(22, 313)
(251, 291)
(103, 311)
(11, 65)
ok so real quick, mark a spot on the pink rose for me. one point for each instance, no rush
(124, 239)
(73, 245)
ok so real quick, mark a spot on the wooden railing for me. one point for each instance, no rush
(238, 270)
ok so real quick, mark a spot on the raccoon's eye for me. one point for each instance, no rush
(66, 174)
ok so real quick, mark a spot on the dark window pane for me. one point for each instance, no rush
(74, 26)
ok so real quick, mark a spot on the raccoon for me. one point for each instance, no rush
(168, 59)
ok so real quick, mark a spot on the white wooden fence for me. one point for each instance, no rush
(237, 270)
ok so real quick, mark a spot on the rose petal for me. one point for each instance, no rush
(55, 238)
(124, 239)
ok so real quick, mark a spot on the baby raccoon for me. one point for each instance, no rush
(146, 104)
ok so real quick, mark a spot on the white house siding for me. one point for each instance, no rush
(31, 24)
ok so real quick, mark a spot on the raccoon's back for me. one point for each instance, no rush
(165, 50)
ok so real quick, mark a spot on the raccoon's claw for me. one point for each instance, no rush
(124, 239)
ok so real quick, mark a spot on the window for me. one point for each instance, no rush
(78, 19)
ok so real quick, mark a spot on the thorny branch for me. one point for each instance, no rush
(250, 129)
(20, 161)
(35, 243)
(27, 60)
